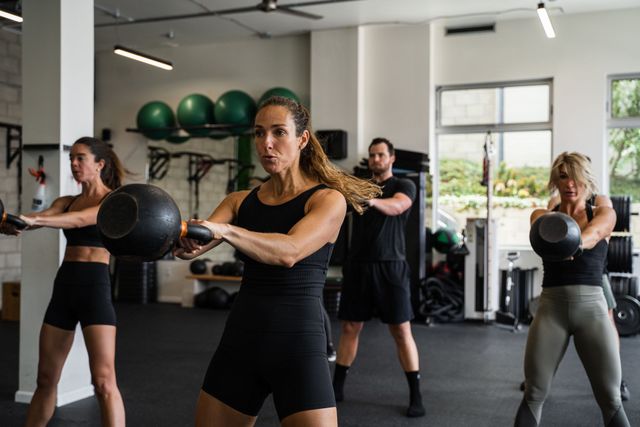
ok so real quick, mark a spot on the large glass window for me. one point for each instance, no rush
(624, 143)
(518, 115)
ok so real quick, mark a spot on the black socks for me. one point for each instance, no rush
(416, 409)
(339, 375)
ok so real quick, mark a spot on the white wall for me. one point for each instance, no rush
(588, 47)
(396, 80)
(123, 86)
(372, 81)
(335, 94)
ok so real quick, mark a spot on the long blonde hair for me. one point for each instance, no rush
(316, 165)
(578, 167)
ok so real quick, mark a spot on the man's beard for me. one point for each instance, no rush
(379, 171)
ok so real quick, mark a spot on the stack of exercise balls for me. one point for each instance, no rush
(156, 118)
(278, 91)
(235, 107)
(195, 112)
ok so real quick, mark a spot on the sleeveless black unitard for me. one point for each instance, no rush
(274, 339)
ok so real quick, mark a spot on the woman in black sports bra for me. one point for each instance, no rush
(274, 340)
(82, 288)
(572, 303)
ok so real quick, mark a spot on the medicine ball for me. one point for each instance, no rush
(199, 266)
(444, 240)
(215, 297)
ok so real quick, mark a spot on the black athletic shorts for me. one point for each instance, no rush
(376, 288)
(81, 293)
(272, 344)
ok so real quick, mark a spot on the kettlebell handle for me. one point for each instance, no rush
(13, 220)
(196, 232)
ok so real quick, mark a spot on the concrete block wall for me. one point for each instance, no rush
(11, 113)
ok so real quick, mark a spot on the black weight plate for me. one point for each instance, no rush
(610, 255)
(627, 218)
(627, 315)
(616, 285)
(633, 287)
(624, 286)
(628, 254)
(622, 206)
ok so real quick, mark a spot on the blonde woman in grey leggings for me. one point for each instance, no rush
(573, 304)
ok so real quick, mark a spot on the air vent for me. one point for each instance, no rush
(471, 29)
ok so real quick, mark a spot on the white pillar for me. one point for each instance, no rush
(57, 63)
(336, 91)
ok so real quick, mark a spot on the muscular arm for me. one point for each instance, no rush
(536, 214)
(326, 211)
(600, 227)
(56, 217)
(75, 219)
(602, 200)
(225, 213)
(392, 206)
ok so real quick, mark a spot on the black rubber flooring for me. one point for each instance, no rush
(471, 373)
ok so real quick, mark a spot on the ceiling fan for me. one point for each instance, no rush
(272, 6)
(267, 6)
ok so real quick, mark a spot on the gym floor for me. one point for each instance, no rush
(471, 374)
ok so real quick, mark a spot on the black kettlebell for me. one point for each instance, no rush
(7, 218)
(238, 268)
(556, 237)
(214, 297)
(141, 222)
(199, 266)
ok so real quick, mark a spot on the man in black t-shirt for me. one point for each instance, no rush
(376, 274)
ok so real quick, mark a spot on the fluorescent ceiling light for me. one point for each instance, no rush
(11, 16)
(142, 57)
(546, 22)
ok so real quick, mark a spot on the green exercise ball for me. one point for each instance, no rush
(235, 107)
(195, 110)
(152, 117)
(445, 239)
(177, 139)
(278, 91)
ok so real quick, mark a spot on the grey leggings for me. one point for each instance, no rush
(581, 311)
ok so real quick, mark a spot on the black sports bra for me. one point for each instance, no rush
(586, 269)
(82, 236)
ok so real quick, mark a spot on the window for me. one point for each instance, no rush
(518, 115)
(624, 142)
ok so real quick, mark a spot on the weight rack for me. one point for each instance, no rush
(624, 283)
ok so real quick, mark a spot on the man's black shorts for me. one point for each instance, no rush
(376, 288)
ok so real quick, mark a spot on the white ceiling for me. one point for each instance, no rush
(245, 25)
